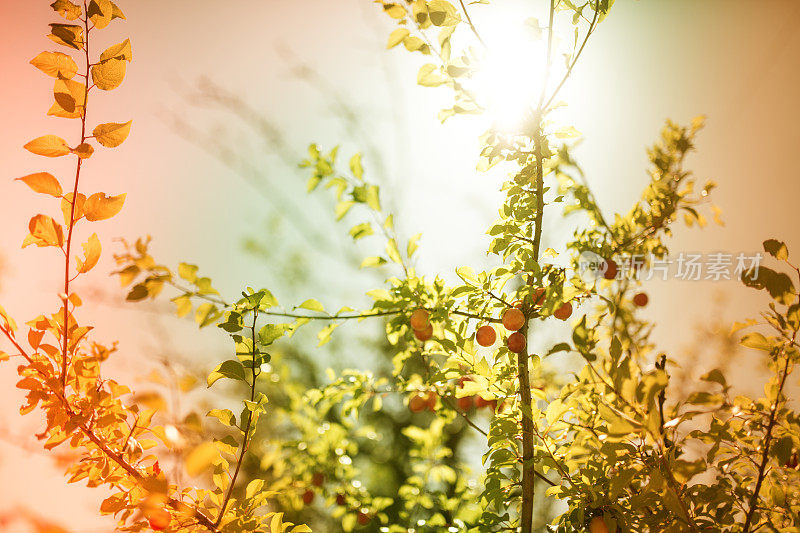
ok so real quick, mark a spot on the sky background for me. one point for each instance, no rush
(735, 61)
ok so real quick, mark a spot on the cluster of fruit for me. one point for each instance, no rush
(317, 480)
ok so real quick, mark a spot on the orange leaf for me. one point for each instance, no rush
(91, 250)
(66, 207)
(100, 207)
(43, 182)
(44, 232)
(112, 134)
(48, 146)
(84, 150)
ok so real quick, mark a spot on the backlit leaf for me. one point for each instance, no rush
(397, 37)
(101, 207)
(48, 146)
(70, 35)
(100, 12)
(44, 231)
(201, 458)
(92, 249)
(83, 150)
(55, 64)
(67, 9)
(43, 182)
(112, 134)
(109, 74)
(230, 369)
(118, 51)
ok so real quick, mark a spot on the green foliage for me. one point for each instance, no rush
(611, 442)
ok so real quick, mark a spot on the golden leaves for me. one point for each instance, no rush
(118, 51)
(70, 35)
(108, 74)
(43, 182)
(67, 209)
(55, 64)
(100, 12)
(397, 37)
(66, 9)
(83, 150)
(112, 134)
(48, 146)
(91, 250)
(100, 207)
(70, 99)
(44, 231)
(200, 458)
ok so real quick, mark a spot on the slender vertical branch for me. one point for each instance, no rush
(762, 467)
(248, 425)
(65, 339)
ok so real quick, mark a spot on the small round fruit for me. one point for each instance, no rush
(516, 342)
(465, 403)
(308, 497)
(598, 525)
(362, 518)
(424, 334)
(158, 519)
(318, 479)
(430, 402)
(420, 319)
(563, 312)
(513, 319)
(641, 299)
(341, 500)
(486, 336)
(539, 296)
(418, 403)
(792, 462)
(611, 269)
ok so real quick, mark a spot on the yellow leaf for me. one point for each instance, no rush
(55, 64)
(43, 182)
(112, 134)
(92, 249)
(70, 96)
(394, 10)
(70, 35)
(83, 150)
(100, 12)
(48, 146)
(397, 37)
(200, 458)
(116, 11)
(67, 9)
(44, 231)
(108, 74)
(100, 207)
(118, 51)
(66, 207)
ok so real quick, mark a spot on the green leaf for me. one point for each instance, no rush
(374, 261)
(312, 305)
(356, 168)
(393, 252)
(757, 341)
(373, 197)
(269, 333)
(225, 416)
(231, 369)
(397, 37)
(324, 335)
(360, 231)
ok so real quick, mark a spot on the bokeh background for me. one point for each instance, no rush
(225, 97)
